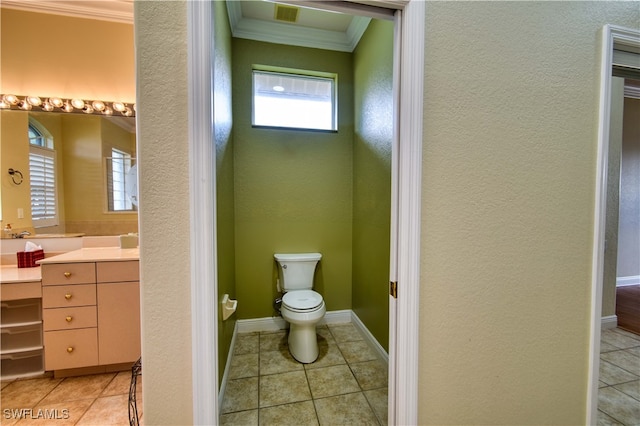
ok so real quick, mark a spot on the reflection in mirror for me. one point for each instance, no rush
(74, 189)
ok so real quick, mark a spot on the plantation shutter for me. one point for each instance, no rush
(43, 186)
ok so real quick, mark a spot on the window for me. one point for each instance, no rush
(294, 100)
(121, 181)
(42, 175)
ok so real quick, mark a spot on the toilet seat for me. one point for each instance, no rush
(302, 300)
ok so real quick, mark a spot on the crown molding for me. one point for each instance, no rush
(114, 10)
(279, 33)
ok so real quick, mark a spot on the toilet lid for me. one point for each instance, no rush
(302, 299)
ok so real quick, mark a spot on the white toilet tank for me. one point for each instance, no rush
(296, 270)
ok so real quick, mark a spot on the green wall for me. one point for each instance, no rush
(293, 190)
(224, 177)
(373, 138)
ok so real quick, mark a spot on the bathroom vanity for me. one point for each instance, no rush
(79, 312)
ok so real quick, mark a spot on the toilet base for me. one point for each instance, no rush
(303, 343)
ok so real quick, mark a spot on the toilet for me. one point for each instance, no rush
(301, 307)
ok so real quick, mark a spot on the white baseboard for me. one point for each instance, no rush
(609, 322)
(373, 342)
(227, 366)
(277, 323)
(625, 281)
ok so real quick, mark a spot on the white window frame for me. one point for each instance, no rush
(118, 178)
(48, 187)
(302, 75)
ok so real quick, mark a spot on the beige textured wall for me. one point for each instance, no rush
(161, 54)
(510, 133)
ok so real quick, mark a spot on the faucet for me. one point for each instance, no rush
(21, 235)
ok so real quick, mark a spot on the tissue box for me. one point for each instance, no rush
(28, 259)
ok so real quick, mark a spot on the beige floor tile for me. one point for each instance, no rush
(273, 341)
(620, 339)
(241, 418)
(324, 334)
(328, 355)
(247, 343)
(613, 375)
(623, 359)
(59, 414)
(283, 388)
(370, 374)
(618, 405)
(81, 387)
(632, 389)
(240, 395)
(606, 420)
(245, 365)
(357, 351)
(379, 402)
(345, 332)
(298, 413)
(274, 362)
(627, 334)
(120, 384)
(606, 347)
(27, 393)
(330, 381)
(349, 409)
(108, 410)
(634, 351)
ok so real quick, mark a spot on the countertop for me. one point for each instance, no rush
(94, 254)
(13, 274)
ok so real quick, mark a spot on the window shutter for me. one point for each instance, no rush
(43, 187)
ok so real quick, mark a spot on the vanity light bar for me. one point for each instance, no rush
(55, 104)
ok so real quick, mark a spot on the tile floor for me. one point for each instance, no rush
(619, 392)
(346, 385)
(99, 399)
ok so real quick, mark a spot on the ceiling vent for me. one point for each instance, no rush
(286, 13)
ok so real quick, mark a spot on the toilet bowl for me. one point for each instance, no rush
(301, 307)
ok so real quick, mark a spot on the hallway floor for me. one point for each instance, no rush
(346, 385)
(97, 399)
(619, 392)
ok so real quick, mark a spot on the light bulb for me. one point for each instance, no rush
(98, 105)
(107, 111)
(47, 106)
(118, 106)
(88, 109)
(77, 103)
(127, 112)
(11, 99)
(56, 102)
(67, 107)
(34, 100)
(24, 105)
(4, 104)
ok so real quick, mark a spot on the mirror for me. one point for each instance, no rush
(86, 176)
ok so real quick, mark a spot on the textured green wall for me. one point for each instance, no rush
(373, 100)
(292, 188)
(224, 176)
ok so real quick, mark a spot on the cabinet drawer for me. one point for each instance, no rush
(113, 272)
(17, 291)
(22, 364)
(70, 348)
(70, 318)
(60, 296)
(68, 273)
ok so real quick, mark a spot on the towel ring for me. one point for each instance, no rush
(13, 174)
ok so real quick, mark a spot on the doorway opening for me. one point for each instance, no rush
(409, 40)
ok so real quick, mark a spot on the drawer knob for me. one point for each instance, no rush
(67, 274)
(69, 318)
(67, 296)
(70, 349)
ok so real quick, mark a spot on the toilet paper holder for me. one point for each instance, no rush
(229, 306)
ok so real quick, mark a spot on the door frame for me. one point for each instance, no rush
(611, 36)
(404, 311)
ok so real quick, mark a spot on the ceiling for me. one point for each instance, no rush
(254, 20)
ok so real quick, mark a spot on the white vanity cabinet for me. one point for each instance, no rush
(91, 309)
(21, 347)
